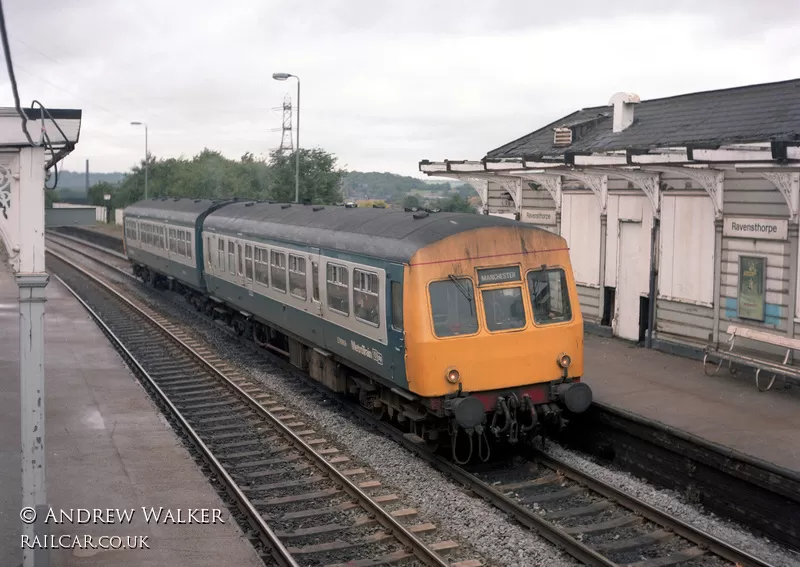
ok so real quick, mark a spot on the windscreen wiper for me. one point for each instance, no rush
(465, 291)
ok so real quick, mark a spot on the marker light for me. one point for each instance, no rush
(564, 360)
(452, 376)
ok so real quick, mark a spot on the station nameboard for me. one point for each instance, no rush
(538, 216)
(760, 228)
(489, 276)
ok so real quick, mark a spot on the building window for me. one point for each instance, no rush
(221, 255)
(338, 289)
(278, 270)
(503, 308)
(453, 307)
(248, 262)
(549, 296)
(315, 281)
(231, 260)
(297, 276)
(397, 305)
(262, 272)
(366, 304)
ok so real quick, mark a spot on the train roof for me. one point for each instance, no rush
(382, 233)
(171, 209)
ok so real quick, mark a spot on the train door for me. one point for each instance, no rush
(395, 327)
(314, 284)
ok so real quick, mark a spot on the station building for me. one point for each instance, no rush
(681, 213)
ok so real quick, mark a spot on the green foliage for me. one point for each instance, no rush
(97, 191)
(394, 188)
(454, 204)
(211, 175)
(50, 197)
(411, 201)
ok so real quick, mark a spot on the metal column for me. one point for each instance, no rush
(717, 278)
(31, 364)
(793, 236)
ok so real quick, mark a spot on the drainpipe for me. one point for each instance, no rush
(717, 278)
(793, 234)
(602, 279)
(651, 316)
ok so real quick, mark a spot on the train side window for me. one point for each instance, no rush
(453, 307)
(297, 276)
(315, 281)
(231, 261)
(173, 241)
(397, 305)
(181, 243)
(366, 300)
(549, 296)
(208, 252)
(240, 264)
(262, 270)
(278, 270)
(188, 236)
(503, 308)
(248, 261)
(338, 287)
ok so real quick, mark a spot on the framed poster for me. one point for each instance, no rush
(752, 287)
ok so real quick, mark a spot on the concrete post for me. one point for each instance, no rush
(602, 279)
(718, 223)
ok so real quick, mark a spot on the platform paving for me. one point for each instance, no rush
(107, 447)
(674, 390)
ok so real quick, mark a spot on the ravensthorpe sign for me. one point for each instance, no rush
(761, 228)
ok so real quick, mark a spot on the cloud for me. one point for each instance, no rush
(384, 84)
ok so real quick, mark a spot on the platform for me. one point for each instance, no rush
(674, 390)
(107, 447)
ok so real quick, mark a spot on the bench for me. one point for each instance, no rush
(775, 368)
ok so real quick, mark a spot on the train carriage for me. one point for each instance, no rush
(161, 238)
(451, 324)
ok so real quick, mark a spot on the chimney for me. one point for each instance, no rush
(623, 109)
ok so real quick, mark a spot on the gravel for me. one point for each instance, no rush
(674, 504)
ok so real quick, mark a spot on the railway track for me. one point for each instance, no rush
(304, 501)
(591, 520)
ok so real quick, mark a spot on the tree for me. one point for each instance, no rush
(320, 179)
(98, 191)
(455, 204)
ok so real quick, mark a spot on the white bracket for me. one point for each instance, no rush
(712, 180)
(597, 183)
(514, 187)
(647, 182)
(551, 183)
(482, 186)
(788, 183)
(5, 190)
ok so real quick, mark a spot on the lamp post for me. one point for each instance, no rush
(145, 154)
(283, 77)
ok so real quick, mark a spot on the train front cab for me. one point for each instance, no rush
(497, 339)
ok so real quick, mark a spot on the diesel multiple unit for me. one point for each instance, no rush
(453, 325)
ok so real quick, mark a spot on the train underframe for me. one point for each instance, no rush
(468, 426)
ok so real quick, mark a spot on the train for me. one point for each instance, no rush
(463, 329)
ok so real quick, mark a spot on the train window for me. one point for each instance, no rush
(173, 241)
(338, 289)
(221, 255)
(453, 307)
(208, 253)
(239, 257)
(366, 305)
(278, 270)
(315, 281)
(181, 243)
(262, 273)
(297, 276)
(549, 296)
(231, 261)
(248, 261)
(162, 241)
(503, 308)
(187, 235)
(397, 305)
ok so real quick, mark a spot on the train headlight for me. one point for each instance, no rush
(452, 375)
(564, 360)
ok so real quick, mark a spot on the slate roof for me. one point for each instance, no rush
(380, 233)
(755, 113)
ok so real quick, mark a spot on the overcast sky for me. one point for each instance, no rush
(384, 83)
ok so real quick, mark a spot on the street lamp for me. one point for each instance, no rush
(283, 77)
(145, 154)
